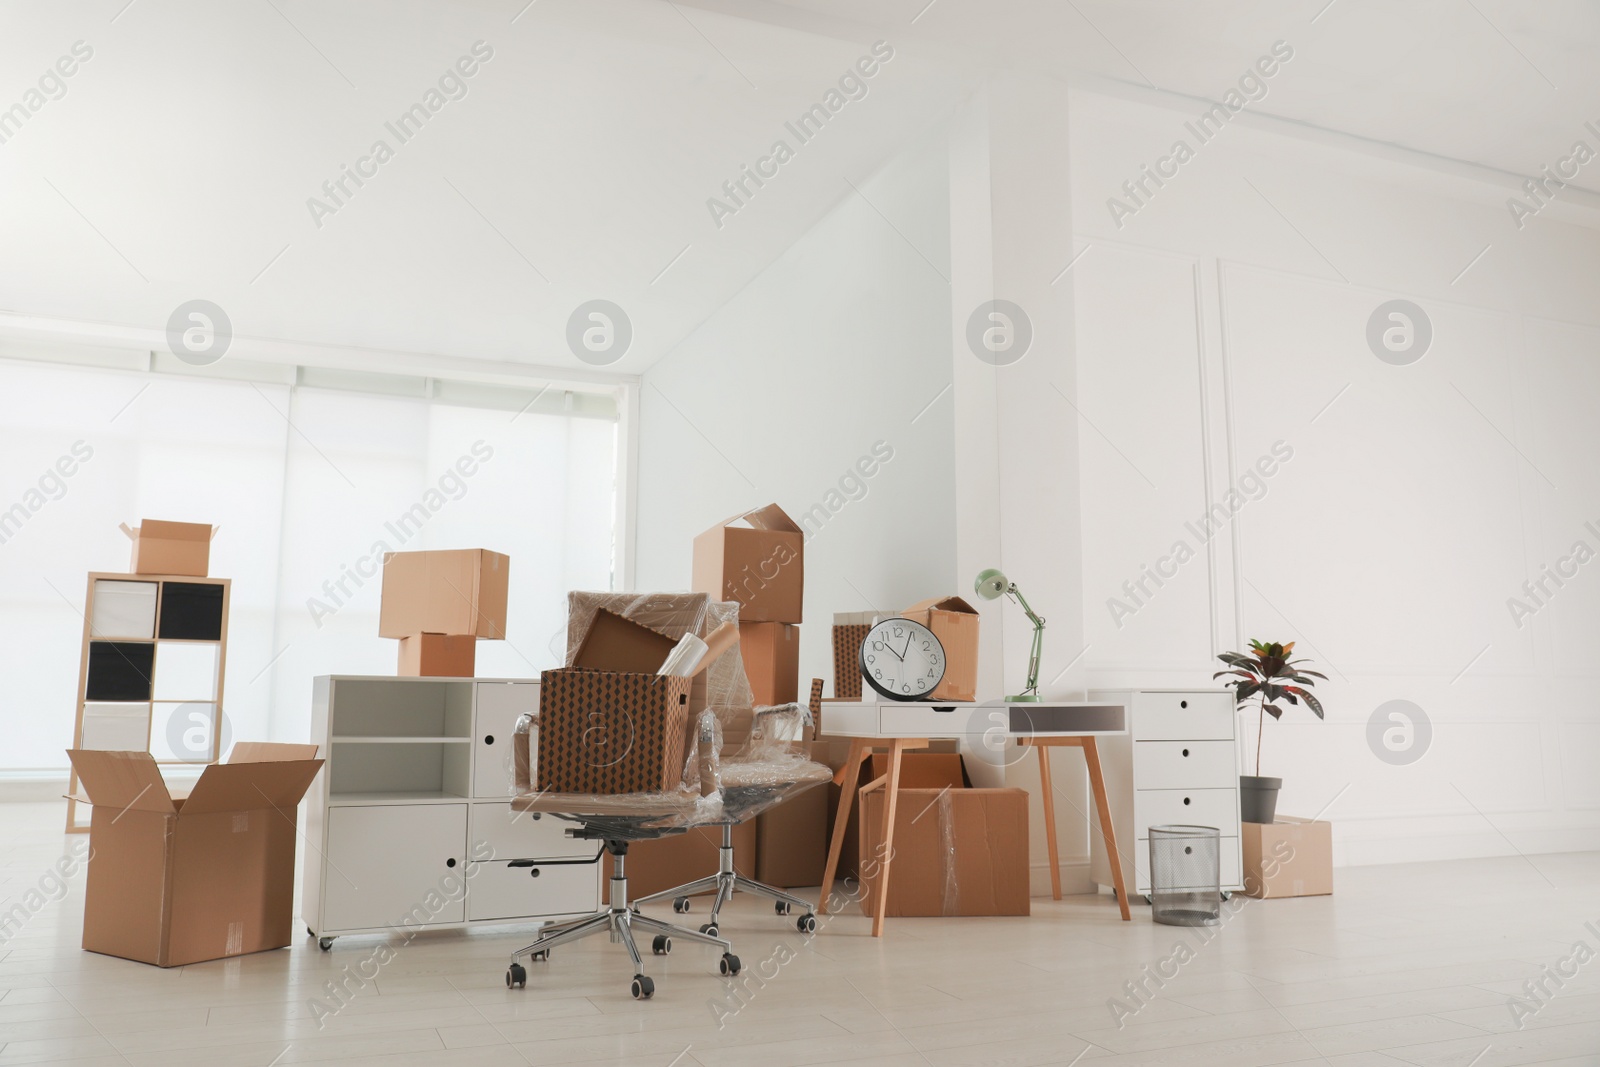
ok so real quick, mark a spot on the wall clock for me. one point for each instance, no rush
(902, 660)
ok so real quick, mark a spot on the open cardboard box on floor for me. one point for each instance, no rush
(458, 591)
(957, 851)
(180, 879)
(161, 547)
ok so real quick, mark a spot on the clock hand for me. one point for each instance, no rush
(907, 648)
(896, 655)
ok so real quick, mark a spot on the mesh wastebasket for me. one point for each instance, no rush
(1186, 875)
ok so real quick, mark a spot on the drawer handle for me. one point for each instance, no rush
(488, 739)
(1183, 703)
(1185, 752)
(1188, 850)
(1186, 801)
(450, 862)
(943, 710)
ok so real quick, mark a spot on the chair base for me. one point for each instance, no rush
(724, 883)
(618, 920)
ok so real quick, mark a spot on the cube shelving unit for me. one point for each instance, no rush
(153, 645)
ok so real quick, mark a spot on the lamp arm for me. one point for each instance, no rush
(1038, 641)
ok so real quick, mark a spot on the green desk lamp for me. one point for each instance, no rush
(991, 585)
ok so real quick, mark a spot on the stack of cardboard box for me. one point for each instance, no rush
(758, 560)
(439, 605)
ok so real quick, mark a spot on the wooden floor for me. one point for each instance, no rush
(1408, 964)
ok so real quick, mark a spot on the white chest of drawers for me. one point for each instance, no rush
(1178, 763)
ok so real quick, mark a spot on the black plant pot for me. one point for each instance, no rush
(1258, 798)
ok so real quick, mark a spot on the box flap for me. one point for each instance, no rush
(617, 643)
(771, 518)
(171, 531)
(126, 780)
(953, 604)
(269, 752)
(250, 786)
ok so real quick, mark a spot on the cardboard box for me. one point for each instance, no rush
(771, 652)
(850, 629)
(793, 840)
(755, 559)
(609, 732)
(956, 852)
(180, 879)
(616, 643)
(462, 592)
(668, 862)
(161, 547)
(438, 656)
(918, 770)
(1287, 857)
(955, 623)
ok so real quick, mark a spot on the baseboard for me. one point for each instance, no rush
(28, 787)
(1074, 878)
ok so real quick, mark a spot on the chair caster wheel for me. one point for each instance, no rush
(541, 956)
(681, 905)
(661, 945)
(781, 907)
(806, 924)
(643, 988)
(516, 976)
(729, 964)
(710, 929)
(325, 943)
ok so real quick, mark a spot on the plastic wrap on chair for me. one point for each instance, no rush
(709, 747)
(522, 752)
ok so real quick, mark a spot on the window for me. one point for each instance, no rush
(309, 484)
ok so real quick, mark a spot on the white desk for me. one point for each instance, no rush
(982, 730)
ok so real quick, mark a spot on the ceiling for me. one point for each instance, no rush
(178, 161)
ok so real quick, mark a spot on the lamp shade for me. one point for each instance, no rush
(991, 584)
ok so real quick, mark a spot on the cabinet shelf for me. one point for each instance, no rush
(394, 796)
(352, 739)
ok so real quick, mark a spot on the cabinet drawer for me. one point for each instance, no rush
(388, 864)
(500, 704)
(1197, 716)
(499, 833)
(501, 891)
(1199, 807)
(1185, 765)
(929, 720)
(1232, 875)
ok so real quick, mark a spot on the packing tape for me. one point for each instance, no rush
(241, 822)
(235, 946)
(947, 849)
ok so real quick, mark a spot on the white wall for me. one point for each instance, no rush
(1229, 313)
(839, 344)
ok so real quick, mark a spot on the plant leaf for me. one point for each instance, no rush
(1311, 702)
(1275, 711)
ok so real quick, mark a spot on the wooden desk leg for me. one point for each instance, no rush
(841, 821)
(891, 796)
(1091, 756)
(1048, 793)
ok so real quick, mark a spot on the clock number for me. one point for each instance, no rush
(872, 659)
(877, 672)
(925, 647)
(905, 689)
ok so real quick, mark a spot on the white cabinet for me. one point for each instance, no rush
(1178, 763)
(411, 822)
(386, 862)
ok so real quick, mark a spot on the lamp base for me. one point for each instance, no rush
(1024, 698)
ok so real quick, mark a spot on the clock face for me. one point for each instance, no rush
(902, 660)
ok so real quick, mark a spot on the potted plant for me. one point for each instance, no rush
(1264, 677)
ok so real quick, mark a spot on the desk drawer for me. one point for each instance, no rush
(930, 720)
(1183, 716)
(1185, 764)
(501, 891)
(1199, 807)
(499, 833)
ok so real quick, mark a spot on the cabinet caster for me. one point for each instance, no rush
(681, 905)
(781, 907)
(1148, 899)
(516, 976)
(541, 956)
(643, 988)
(806, 924)
(310, 932)
(325, 943)
(1227, 895)
(661, 945)
(729, 964)
(709, 929)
